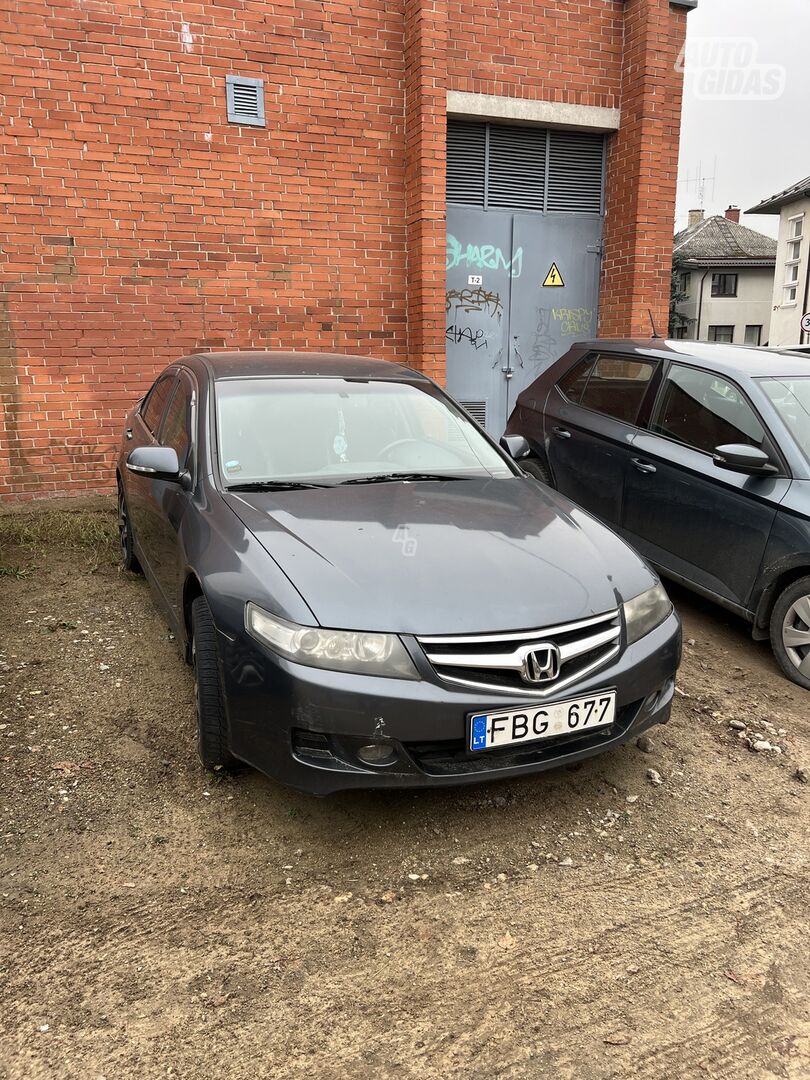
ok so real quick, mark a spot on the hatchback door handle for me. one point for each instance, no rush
(561, 433)
(643, 466)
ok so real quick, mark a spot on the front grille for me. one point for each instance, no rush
(498, 661)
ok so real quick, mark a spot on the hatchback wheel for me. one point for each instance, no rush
(128, 556)
(212, 725)
(538, 469)
(790, 631)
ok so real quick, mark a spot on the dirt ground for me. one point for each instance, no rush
(158, 921)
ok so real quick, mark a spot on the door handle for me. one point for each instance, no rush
(561, 433)
(643, 466)
(128, 433)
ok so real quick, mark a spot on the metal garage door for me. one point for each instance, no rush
(524, 236)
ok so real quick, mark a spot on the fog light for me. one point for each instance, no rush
(378, 753)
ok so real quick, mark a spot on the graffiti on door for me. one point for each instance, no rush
(460, 304)
(573, 321)
(478, 299)
(460, 334)
(482, 257)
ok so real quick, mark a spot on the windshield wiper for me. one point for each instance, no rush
(274, 485)
(385, 478)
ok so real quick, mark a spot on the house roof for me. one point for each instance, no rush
(774, 204)
(720, 241)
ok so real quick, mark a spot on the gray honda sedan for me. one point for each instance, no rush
(373, 593)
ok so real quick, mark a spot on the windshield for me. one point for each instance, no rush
(791, 399)
(328, 430)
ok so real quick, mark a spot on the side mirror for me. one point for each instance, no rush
(516, 446)
(744, 459)
(158, 462)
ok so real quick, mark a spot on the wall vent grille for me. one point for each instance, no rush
(245, 100)
(503, 167)
(477, 410)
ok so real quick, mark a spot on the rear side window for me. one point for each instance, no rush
(175, 431)
(574, 382)
(703, 411)
(617, 385)
(153, 408)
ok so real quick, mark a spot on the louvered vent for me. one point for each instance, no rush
(517, 168)
(466, 162)
(245, 99)
(495, 166)
(575, 172)
(477, 410)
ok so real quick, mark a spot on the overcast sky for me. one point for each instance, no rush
(746, 105)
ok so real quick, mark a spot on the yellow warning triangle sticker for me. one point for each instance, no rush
(553, 277)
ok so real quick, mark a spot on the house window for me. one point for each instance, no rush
(794, 254)
(722, 333)
(724, 284)
(753, 335)
(686, 283)
(680, 332)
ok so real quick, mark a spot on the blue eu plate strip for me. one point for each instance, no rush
(479, 733)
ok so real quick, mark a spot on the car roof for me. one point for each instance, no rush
(735, 360)
(230, 365)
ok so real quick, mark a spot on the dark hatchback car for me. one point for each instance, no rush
(371, 592)
(699, 454)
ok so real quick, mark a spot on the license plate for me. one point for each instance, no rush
(531, 723)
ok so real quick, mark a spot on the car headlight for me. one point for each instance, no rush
(337, 650)
(646, 611)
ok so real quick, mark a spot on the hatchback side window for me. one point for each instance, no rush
(617, 386)
(576, 379)
(153, 407)
(705, 411)
(175, 431)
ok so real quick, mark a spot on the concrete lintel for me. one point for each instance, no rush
(549, 113)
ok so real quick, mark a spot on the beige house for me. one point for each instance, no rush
(791, 290)
(723, 274)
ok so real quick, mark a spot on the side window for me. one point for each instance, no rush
(574, 381)
(617, 386)
(175, 430)
(704, 411)
(153, 407)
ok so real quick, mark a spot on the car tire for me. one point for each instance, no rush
(212, 724)
(128, 557)
(790, 626)
(536, 468)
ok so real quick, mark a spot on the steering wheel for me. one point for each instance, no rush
(411, 461)
(390, 447)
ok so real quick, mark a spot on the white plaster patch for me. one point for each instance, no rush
(186, 38)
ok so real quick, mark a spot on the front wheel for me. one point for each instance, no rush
(212, 724)
(128, 556)
(536, 468)
(790, 631)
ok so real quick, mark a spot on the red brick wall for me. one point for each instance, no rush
(551, 50)
(642, 171)
(137, 224)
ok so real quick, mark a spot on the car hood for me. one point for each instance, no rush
(464, 556)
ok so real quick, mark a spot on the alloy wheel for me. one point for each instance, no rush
(796, 634)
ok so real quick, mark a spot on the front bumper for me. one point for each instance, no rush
(303, 725)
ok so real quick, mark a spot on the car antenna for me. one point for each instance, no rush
(655, 333)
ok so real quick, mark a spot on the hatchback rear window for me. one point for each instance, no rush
(612, 385)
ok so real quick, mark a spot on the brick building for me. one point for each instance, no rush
(178, 177)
